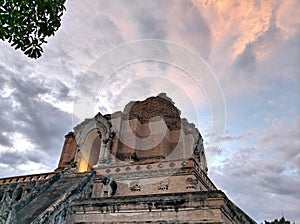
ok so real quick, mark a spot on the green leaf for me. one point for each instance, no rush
(26, 23)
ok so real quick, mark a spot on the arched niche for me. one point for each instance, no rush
(92, 136)
(90, 150)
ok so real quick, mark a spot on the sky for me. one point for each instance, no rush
(249, 50)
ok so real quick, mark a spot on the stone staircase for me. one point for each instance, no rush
(49, 200)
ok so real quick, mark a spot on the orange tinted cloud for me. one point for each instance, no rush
(245, 21)
(288, 17)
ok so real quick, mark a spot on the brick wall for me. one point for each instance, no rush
(68, 152)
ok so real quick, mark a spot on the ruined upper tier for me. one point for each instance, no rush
(145, 132)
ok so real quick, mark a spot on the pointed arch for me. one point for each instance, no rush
(91, 136)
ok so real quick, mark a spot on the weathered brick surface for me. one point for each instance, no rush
(160, 106)
(68, 151)
(191, 207)
(145, 132)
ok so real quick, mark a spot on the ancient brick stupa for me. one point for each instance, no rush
(142, 165)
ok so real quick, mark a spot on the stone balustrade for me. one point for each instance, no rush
(26, 178)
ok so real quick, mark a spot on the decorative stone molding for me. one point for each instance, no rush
(26, 179)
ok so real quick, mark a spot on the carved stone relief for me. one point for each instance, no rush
(191, 183)
(163, 185)
(109, 187)
(135, 186)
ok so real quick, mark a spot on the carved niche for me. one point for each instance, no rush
(94, 138)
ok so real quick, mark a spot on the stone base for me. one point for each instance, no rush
(192, 207)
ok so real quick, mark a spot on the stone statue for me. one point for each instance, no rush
(109, 186)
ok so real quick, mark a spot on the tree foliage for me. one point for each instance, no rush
(280, 221)
(25, 24)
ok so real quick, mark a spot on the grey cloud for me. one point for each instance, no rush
(269, 169)
(248, 62)
(264, 172)
(103, 109)
(59, 90)
(5, 140)
(13, 161)
(149, 25)
(174, 21)
(39, 121)
(196, 27)
(227, 136)
(89, 84)
(235, 137)
(46, 127)
(15, 61)
(282, 185)
(12, 158)
(6, 125)
(284, 62)
(122, 87)
(245, 178)
(87, 35)
(282, 141)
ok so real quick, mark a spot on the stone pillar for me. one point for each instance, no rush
(111, 157)
(107, 151)
(102, 153)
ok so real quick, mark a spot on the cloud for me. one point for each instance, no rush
(245, 20)
(252, 47)
(243, 178)
(149, 25)
(288, 18)
(268, 171)
(227, 136)
(252, 42)
(26, 117)
(281, 140)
